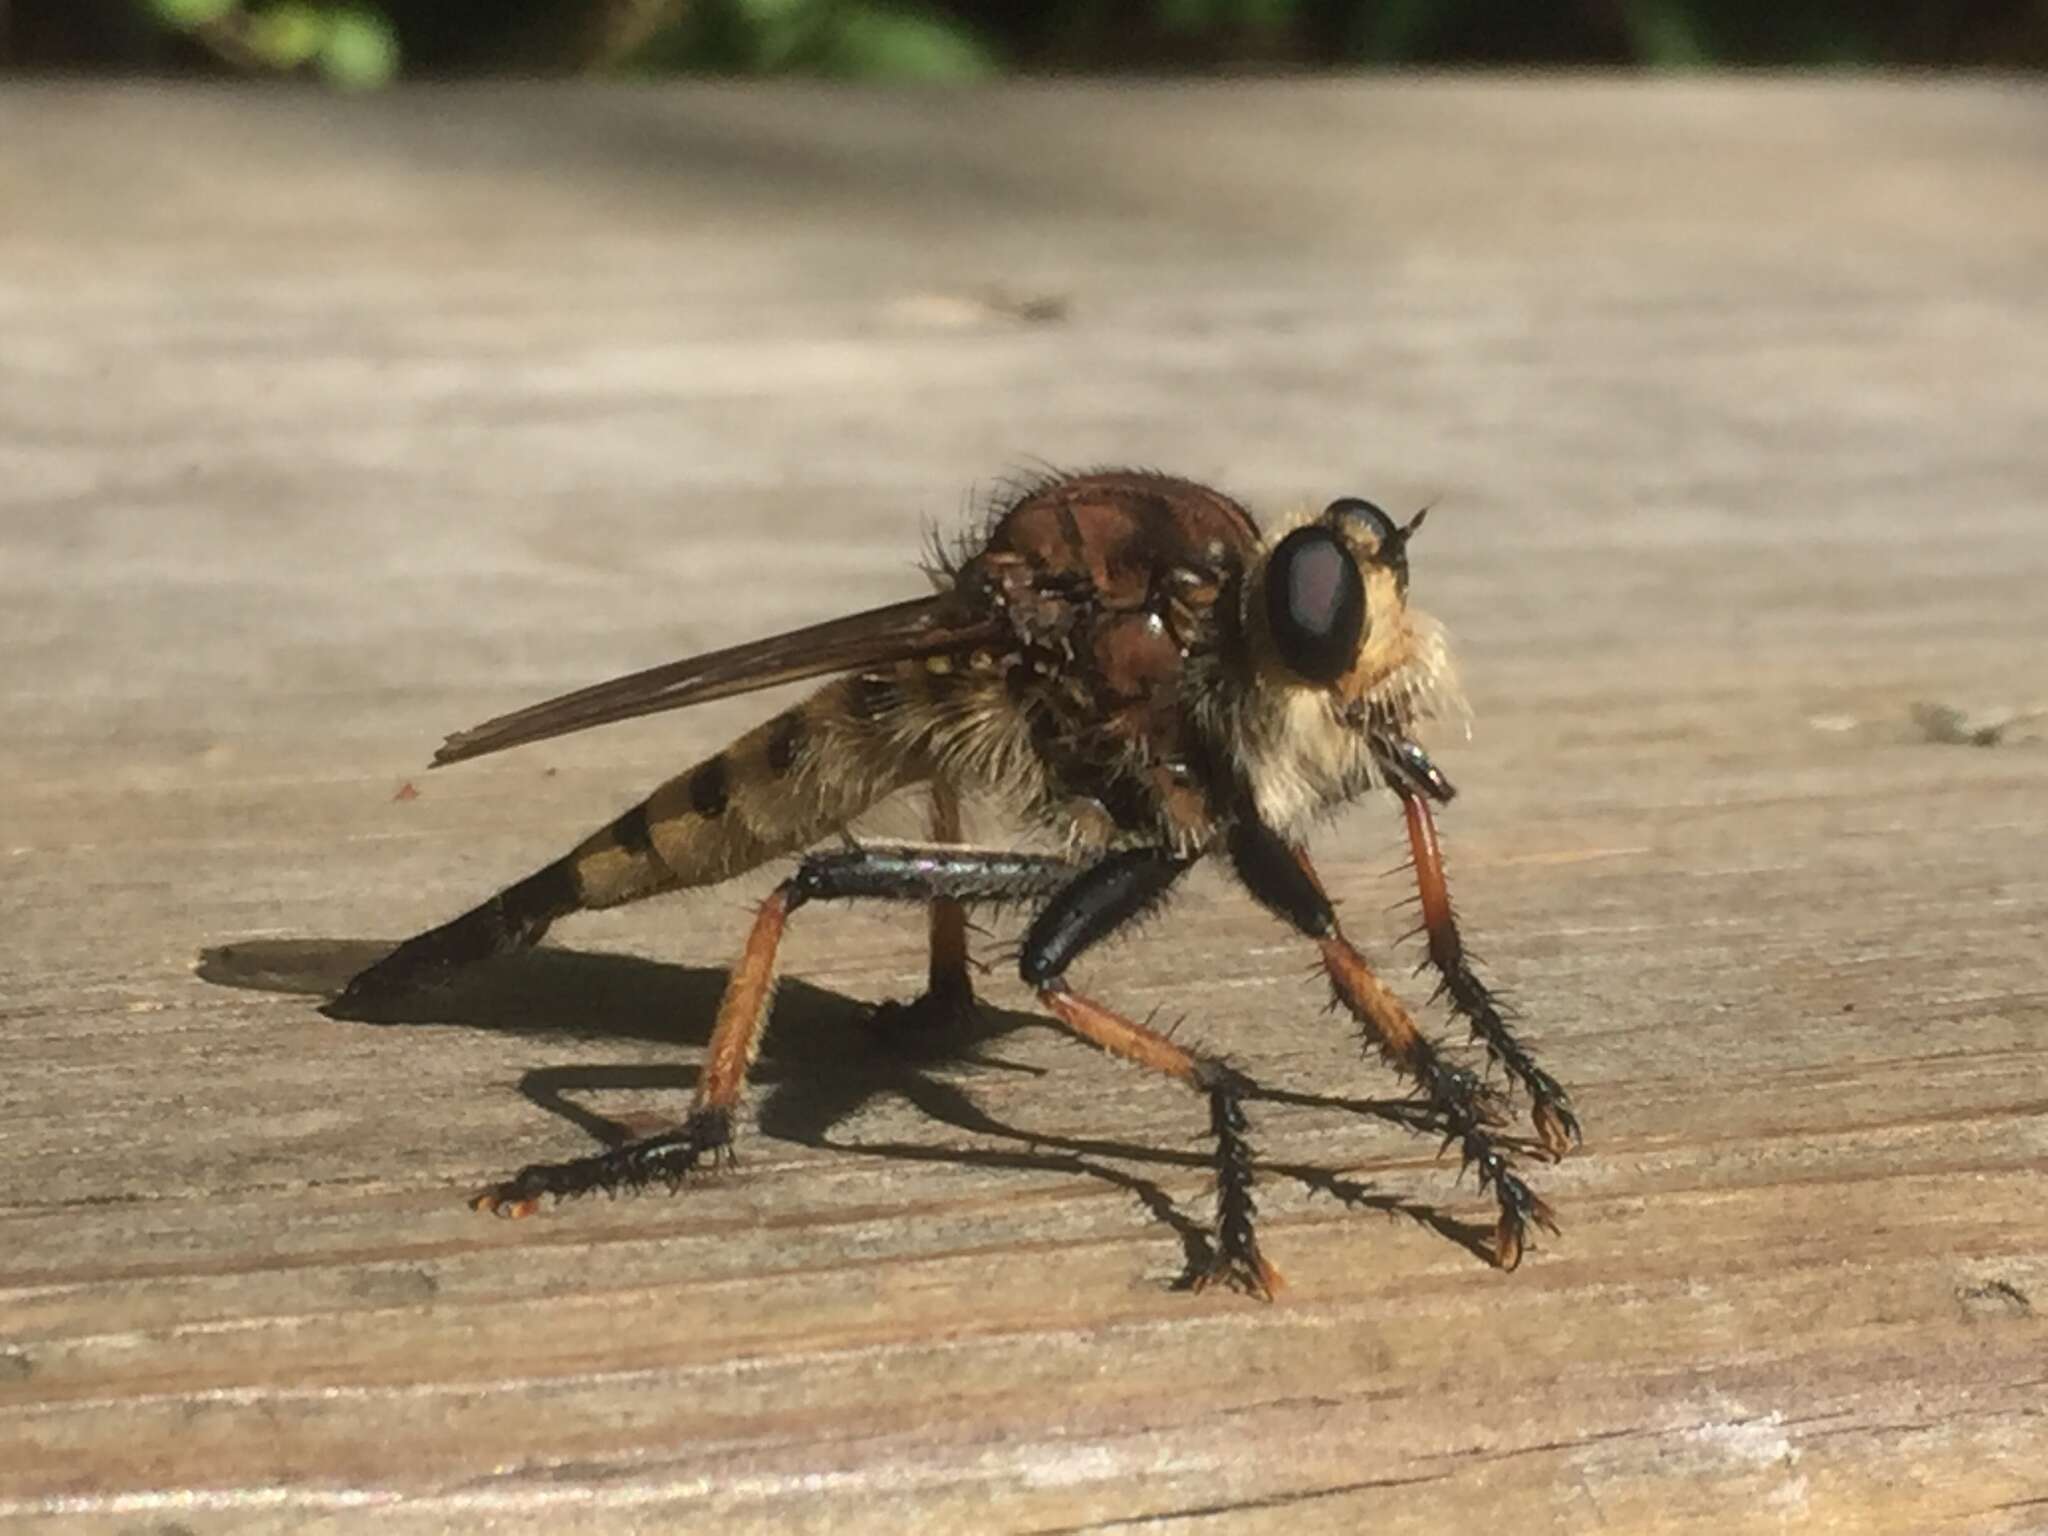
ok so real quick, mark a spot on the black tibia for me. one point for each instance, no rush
(704, 1139)
(513, 919)
(927, 873)
(1280, 878)
(1118, 888)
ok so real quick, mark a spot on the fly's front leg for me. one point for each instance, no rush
(705, 1136)
(1418, 781)
(1110, 893)
(1550, 1108)
(1283, 881)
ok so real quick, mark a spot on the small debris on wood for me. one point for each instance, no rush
(1947, 725)
(407, 791)
(1995, 1298)
(1031, 308)
(1834, 724)
(966, 310)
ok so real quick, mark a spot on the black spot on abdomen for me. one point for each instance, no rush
(709, 788)
(527, 908)
(786, 742)
(630, 831)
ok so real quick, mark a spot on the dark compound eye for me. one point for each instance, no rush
(1315, 604)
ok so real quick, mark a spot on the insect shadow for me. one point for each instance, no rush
(823, 1058)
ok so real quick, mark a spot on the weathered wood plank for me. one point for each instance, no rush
(328, 426)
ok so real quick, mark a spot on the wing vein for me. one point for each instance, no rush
(924, 626)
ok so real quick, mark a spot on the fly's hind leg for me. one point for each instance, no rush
(705, 1136)
(1084, 908)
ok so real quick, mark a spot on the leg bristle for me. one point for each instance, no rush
(702, 1141)
(1238, 1264)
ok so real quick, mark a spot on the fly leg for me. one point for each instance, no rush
(705, 1136)
(1417, 781)
(949, 994)
(950, 982)
(1550, 1108)
(1108, 894)
(1281, 879)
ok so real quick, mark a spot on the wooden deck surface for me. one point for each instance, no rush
(327, 426)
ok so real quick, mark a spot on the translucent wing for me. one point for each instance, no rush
(925, 626)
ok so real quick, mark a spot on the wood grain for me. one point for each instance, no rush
(328, 426)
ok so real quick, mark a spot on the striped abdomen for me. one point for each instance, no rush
(782, 786)
(779, 788)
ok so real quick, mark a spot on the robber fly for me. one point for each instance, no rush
(1126, 662)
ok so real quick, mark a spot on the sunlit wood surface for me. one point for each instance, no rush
(327, 426)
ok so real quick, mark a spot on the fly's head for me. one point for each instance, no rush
(1327, 610)
(1337, 652)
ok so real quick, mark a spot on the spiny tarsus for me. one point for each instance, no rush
(1238, 1263)
(702, 1141)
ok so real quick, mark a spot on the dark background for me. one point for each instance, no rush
(367, 42)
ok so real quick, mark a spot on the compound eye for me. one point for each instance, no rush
(1315, 604)
(1383, 527)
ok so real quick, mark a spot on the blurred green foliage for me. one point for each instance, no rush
(855, 38)
(364, 43)
(348, 44)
